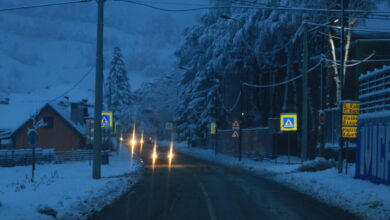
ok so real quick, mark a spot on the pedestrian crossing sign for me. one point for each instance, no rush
(106, 119)
(288, 122)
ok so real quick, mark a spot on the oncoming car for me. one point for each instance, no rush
(162, 154)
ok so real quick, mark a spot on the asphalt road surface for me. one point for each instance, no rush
(196, 189)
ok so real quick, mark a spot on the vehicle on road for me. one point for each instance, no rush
(162, 154)
(150, 140)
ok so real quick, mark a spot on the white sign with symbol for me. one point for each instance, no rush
(235, 134)
(236, 125)
(288, 122)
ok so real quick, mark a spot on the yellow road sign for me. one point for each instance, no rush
(349, 132)
(213, 128)
(169, 126)
(288, 122)
(351, 108)
(106, 119)
(350, 120)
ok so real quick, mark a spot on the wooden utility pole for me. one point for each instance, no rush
(341, 140)
(305, 96)
(96, 170)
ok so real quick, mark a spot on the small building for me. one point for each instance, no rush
(64, 127)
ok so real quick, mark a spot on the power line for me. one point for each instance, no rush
(280, 83)
(44, 5)
(353, 29)
(234, 105)
(74, 86)
(281, 8)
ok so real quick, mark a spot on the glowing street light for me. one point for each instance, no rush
(133, 141)
(170, 154)
(154, 154)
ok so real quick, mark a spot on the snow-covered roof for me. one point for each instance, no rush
(64, 112)
(374, 72)
(22, 106)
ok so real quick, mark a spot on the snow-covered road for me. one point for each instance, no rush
(365, 199)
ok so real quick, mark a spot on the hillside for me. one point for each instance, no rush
(46, 47)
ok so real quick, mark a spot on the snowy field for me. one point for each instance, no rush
(65, 189)
(365, 199)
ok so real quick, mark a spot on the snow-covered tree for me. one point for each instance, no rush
(251, 46)
(155, 103)
(117, 88)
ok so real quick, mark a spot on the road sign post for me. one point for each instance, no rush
(32, 135)
(236, 134)
(107, 120)
(349, 123)
(288, 122)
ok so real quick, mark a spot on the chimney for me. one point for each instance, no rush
(76, 113)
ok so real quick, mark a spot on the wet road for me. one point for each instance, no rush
(196, 189)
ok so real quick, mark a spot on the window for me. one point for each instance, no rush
(48, 121)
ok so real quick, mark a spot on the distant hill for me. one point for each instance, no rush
(45, 47)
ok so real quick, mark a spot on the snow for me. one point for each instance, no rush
(56, 45)
(67, 188)
(363, 198)
(375, 93)
(23, 105)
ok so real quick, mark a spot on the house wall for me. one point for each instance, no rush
(61, 137)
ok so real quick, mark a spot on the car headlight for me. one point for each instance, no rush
(154, 156)
(170, 155)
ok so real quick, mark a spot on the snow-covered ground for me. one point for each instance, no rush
(67, 188)
(365, 199)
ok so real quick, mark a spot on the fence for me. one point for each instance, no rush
(255, 142)
(9, 158)
(332, 127)
(373, 146)
(21, 157)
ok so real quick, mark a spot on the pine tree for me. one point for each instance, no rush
(253, 47)
(117, 87)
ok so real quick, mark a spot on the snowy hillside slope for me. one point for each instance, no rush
(54, 45)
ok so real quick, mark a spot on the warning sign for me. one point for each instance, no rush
(235, 134)
(350, 120)
(349, 132)
(106, 119)
(236, 125)
(288, 122)
(351, 108)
